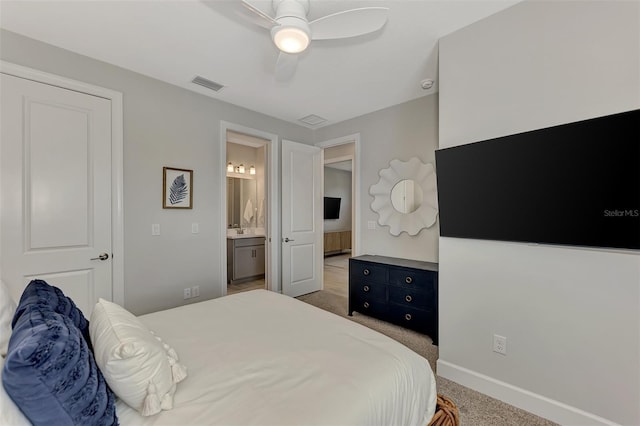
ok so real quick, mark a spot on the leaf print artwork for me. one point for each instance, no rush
(178, 190)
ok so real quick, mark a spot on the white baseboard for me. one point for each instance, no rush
(537, 404)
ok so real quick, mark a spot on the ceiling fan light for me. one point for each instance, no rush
(291, 39)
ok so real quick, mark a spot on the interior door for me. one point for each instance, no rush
(55, 149)
(302, 220)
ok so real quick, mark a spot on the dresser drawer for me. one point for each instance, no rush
(415, 278)
(411, 318)
(367, 289)
(369, 306)
(417, 299)
(371, 272)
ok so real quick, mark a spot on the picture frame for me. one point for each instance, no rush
(177, 188)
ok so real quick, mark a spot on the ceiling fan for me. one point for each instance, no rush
(292, 32)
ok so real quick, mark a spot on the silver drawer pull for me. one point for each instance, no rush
(408, 280)
(365, 288)
(366, 272)
(408, 298)
(407, 317)
(366, 304)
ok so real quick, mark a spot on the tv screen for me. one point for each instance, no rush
(331, 208)
(574, 184)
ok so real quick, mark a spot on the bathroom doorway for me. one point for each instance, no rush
(246, 212)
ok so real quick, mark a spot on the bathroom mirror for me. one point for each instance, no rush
(405, 197)
(241, 203)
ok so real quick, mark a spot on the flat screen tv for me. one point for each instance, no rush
(575, 184)
(331, 208)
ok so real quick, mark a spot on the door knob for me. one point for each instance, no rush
(286, 240)
(103, 256)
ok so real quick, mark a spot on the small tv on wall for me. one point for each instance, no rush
(575, 184)
(331, 208)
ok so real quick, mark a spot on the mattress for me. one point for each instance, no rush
(261, 358)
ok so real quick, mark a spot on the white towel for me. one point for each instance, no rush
(261, 213)
(248, 212)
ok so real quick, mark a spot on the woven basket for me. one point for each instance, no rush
(446, 413)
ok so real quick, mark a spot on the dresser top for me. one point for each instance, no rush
(393, 261)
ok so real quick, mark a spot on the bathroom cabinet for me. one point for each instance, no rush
(245, 259)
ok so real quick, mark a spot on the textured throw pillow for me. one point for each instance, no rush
(141, 370)
(7, 310)
(38, 292)
(51, 375)
(10, 414)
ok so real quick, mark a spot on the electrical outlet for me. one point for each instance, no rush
(195, 291)
(186, 293)
(500, 344)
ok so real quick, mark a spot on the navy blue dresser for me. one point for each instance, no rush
(400, 291)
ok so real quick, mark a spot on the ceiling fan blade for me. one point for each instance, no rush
(286, 66)
(256, 16)
(350, 23)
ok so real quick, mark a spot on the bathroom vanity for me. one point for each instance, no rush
(245, 257)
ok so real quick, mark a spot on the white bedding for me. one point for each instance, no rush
(260, 358)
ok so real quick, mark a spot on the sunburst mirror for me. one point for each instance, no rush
(405, 197)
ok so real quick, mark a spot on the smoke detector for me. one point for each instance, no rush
(426, 84)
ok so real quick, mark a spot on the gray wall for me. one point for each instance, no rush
(337, 183)
(163, 126)
(571, 315)
(402, 131)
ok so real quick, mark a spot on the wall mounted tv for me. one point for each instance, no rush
(331, 208)
(574, 184)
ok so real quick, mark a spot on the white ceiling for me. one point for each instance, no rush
(174, 41)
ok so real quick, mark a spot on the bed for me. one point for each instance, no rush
(261, 358)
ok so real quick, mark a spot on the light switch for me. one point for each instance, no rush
(195, 228)
(155, 229)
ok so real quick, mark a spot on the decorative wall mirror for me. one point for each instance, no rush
(405, 197)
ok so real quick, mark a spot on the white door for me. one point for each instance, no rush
(302, 219)
(55, 197)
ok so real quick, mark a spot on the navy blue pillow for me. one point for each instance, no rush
(40, 293)
(51, 374)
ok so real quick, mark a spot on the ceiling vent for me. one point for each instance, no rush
(312, 120)
(216, 87)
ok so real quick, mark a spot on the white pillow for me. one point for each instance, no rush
(139, 368)
(10, 414)
(7, 309)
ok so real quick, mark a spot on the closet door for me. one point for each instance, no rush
(56, 189)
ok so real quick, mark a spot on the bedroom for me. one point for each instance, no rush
(561, 69)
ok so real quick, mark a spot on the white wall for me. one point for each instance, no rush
(402, 131)
(337, 183)
(163, 126)
(571, 315)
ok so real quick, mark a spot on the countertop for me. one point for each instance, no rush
(237, 236)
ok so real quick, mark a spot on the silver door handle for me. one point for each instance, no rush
(286, 240)
(103, 256)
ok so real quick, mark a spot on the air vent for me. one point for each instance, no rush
(312, 120)
(207, 83)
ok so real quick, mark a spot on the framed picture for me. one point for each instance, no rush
(177, 188)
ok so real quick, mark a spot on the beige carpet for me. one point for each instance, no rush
(476, 409)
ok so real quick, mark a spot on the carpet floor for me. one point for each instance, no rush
(476, 409)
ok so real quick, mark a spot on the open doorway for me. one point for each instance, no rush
(338, 211)
(341, 206)
(248, 220)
